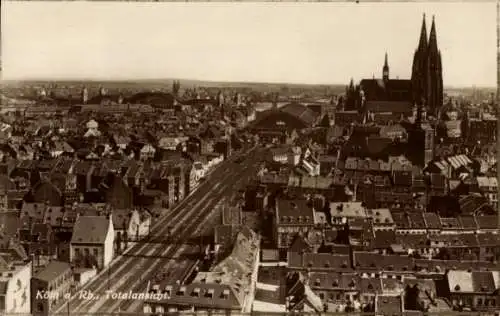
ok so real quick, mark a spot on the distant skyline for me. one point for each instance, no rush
(318, 43)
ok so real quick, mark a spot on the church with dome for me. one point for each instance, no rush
(401, 96)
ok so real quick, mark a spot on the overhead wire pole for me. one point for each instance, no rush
(109, 272)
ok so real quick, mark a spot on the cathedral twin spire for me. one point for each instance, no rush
(427, 79)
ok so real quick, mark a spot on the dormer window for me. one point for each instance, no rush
(344, 265)
(225, 294)
(156, 288)
(317, 282)
(196, 292)
(209, 293)
(335, 283)
(181, 291)
(168, 290)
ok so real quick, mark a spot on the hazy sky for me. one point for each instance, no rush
(266, 42)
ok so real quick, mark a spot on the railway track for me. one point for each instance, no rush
(178, 247)
(131, 264)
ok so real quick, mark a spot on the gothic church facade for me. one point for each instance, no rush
(424, 88)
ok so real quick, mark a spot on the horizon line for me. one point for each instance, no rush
(123, 80)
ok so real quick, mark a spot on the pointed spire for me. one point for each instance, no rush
(385, 70)
(422, 44)
(433, 38)
(351, 85)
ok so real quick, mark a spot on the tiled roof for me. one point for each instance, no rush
(320, 261)
(375, 261)
(460, 240)
(321, 281)
(486, 240)
(381, 216)
(460, 281)
(432, 221)
(53, 215)
(301, 112)
(294, 212)
(407, 220)
(468, 222)
(299, 245)
(384, 239)
(450, 223)
(203, 295)
(53, 270)
(33, 210)
(388, 305)
(90, 229)
(410, 241)
(347, 209)
(487, 221)
(9, 223)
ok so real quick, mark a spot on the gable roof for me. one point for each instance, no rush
(301, 112)
(299, 244)
(90, 229)
(53, 270)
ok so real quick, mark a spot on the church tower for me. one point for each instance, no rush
(421, 137)
(434, 73)
(419, 69)
(385, 70)
(427, 72)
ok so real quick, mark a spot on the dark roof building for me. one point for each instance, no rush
(293, 116)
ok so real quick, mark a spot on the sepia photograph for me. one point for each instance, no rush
(249, 158)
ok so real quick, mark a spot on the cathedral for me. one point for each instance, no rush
(400, 95)
(427, 72)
